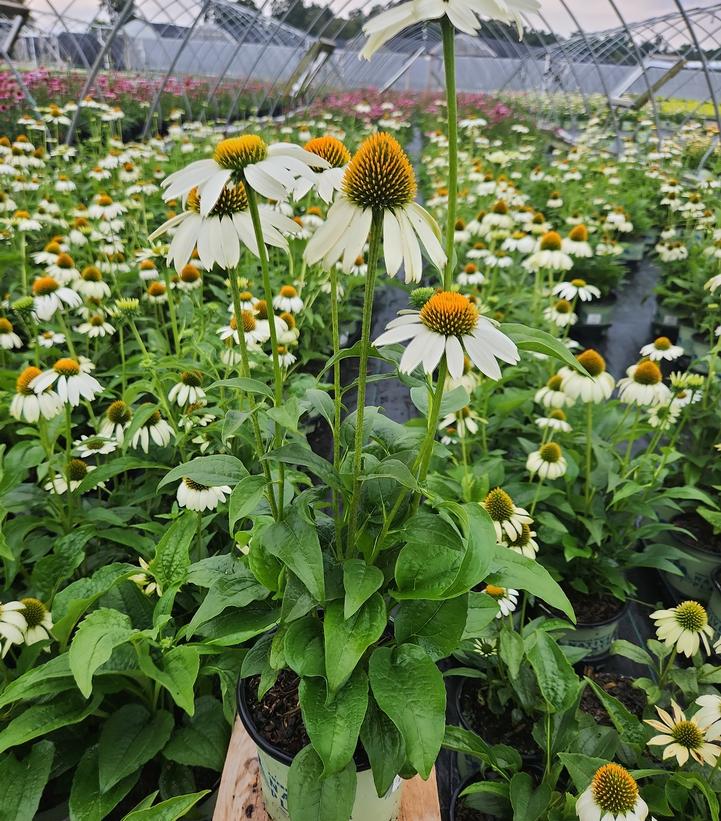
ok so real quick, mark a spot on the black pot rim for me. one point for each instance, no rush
(259, 740)
(589, 625)
(686, 542)
(467, 781)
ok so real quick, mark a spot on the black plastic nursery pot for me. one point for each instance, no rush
(699, 568)
(456, 811)
(596, 637)
(714, 605)
(274, 765)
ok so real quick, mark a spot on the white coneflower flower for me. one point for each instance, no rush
(612, 795)
(523, 543)
(596, 387)
(682, 737)
(463, 15)
(288, 336)
(556, 421)
(449, 324)
(709, 715)
(144, 580)
(288, 300)
(271, 170)
(116, 421)
(219, 231)
(663, 417)
(49, 296)
(12, 625)
(96, 327)
(662, 348)
(684, 627)
(561, 313)
(576, 243)
(379, 178)
(157, 293)
(188, 390)
(189, 279)
(75, 471)
(262, 321)
(199, 497)
(505, 597)
(713, 283)
(255, 334)
(508, 519)
(576, 289)
(470, 275)
(548, 462)
(28, 405)
(549, 255)
(8, 338)
(643, 385)
(465, 422)
(91, 283)
(48, 339)
(157, 429)
(552, 394)
(98, 445)
(38, 619)
(325, 180)
(147, 270)
(285, 357)
(71, 382)
(103, 208)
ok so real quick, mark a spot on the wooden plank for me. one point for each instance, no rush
(239, 795)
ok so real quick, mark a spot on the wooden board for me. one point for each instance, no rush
(239, 794)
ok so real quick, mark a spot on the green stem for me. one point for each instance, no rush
(171, 310)
(667, 668)
(123, 375)
(68, 457)
(337, 396)
(68, 338)
(589, 450)
(426, 451)
(245, 370)
(449, 65)
(535, 497)
(373, 252)
(23, 263)
(268, 293)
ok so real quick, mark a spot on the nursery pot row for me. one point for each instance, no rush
(274, 766)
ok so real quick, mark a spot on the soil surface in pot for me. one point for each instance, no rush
(616, 685)
(593, 609)
(495, 729)
(277, 715)
(701, 529)
(466, 813)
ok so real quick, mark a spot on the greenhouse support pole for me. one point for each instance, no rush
(93, 73)
(704, 61)
(171, 68)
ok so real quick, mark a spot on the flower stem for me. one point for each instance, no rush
(373, 252)
(245, 370)
(449, 65)
(589, 451)
(336, 395)
(434, 412)
(171, 310)
(268, 293)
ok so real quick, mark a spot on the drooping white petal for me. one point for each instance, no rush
(392, 243)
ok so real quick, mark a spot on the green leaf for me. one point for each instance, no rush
(97, 636)
(227, 592)
(333, 722)
(531, 339)
(528, 804)
(116, 466)
(556, 678)
(23, 781)
(177, 673)
(509, 569)
(360, 581)
(130, 738)
(172, 809)
(347, 639)
(171, 561)
(437, 626)
(629, 727)
(211, 471)
(245, 384)
(383, 745)
(87, 801)
(47, 679)
(321, 403)
(452, 401)
(581, 768)
(297, 454)
(314, 798)
(245, 498)
(511, 650)
(632, 651)
(392, 469)
(304, 651)
(42, 719)
(295, 542)
(409, 688)
(140, 417)
(693, 780)
(203, 740)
